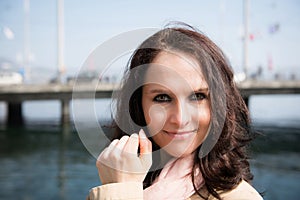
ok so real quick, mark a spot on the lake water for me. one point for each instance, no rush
(43, 160)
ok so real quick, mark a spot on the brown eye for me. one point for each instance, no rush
(198, 96)
(162, 98)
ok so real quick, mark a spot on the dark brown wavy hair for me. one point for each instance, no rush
(226, 164)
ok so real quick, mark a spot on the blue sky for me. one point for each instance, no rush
(89, 23)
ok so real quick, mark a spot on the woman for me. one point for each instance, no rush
(179, 92)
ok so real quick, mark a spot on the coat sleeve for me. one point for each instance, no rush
(244, 191)
(128, 190)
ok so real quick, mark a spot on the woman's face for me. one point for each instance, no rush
(176, 103)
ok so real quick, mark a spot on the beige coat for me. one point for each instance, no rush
(134, 190)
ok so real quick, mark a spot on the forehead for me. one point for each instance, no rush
(177, 71)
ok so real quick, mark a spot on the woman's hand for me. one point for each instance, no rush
(120, 162)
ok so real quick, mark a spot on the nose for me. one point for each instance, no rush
(179, 114)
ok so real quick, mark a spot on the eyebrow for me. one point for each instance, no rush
(202, 90)
(158, 91)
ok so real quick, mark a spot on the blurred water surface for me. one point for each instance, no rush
(44, 160)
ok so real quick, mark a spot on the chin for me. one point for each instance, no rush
(177, 152)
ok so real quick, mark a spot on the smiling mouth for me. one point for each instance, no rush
(180, 134)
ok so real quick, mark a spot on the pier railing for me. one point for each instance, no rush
(14, 95)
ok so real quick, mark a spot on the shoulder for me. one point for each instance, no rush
(128, 190)
(244, 191)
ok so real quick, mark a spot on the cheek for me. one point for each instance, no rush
(203, 118)
(155, 116)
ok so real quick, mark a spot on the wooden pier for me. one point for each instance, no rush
(14, 95)
(254, 87)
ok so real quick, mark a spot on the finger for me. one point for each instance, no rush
(132, 144)
(105, 153)
(145, 143)
(112, 153)
(108, 149)
(122, 142)
(113, 143)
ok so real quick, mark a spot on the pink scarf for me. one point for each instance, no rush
(174, 181)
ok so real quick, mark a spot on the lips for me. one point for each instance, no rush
(180, 134)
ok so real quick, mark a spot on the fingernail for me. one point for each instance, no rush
(134, 135)
(142, 134)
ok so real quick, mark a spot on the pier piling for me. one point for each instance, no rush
(14, 114)
(65, 112)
